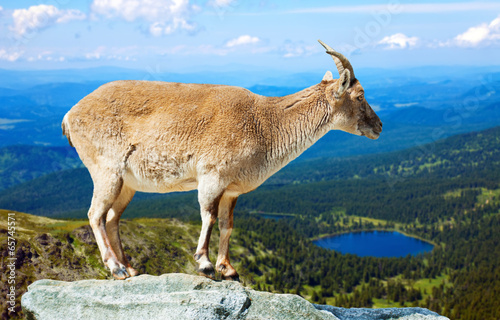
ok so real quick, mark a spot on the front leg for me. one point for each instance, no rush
(226, 208)
(209, 195)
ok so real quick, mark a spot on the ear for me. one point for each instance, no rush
(328, 76)
(344, 82)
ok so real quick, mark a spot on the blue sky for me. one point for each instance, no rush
(191, 35)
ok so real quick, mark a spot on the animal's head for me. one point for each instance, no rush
(352, 113)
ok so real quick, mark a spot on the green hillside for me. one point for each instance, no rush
(22, 163)
(445, 157)
(66, 249)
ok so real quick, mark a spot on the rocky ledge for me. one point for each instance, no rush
(181, 296)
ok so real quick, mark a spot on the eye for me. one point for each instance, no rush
(361, 97)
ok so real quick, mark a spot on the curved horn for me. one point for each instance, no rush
(340, 60)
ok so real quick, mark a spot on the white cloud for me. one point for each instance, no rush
(10, 55)
(297, 49)
(42, 16)
(478, 35)
(46, 55)
(109, 53)
(221, 3)
(159, 28)
(242, 40)
(164, 16)
(405, 105)
(473, 36)
(101, 53)
(398, 41)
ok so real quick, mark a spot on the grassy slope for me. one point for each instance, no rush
(66, 249)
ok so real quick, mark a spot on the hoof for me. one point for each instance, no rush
(227, 272)
(120, 273)
(235, 277)
(131, 271)
(207, 272)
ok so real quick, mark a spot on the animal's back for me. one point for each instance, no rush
(132, 111)
(166, 131)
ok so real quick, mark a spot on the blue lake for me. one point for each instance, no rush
(375, 244)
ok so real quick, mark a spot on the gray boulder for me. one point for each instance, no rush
(181, 296)
(381, 314)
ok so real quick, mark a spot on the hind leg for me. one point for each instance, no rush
(226, 208)
(112, 227)
(107, 188)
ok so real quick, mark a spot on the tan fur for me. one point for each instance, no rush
(222, 140)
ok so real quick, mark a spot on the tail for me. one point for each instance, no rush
(65, 129)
